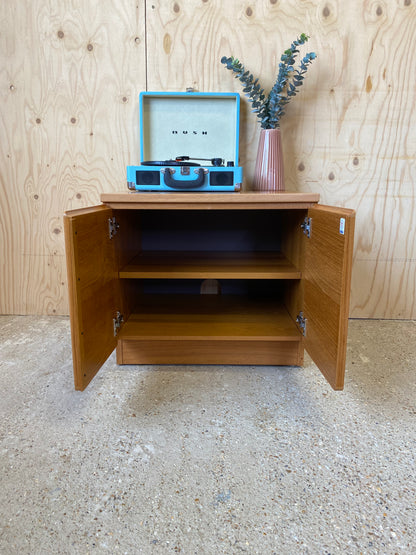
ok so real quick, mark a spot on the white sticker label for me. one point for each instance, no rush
(342, 226)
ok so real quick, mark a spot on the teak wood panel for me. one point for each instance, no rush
(326, 284)
(214, 265)
(133, 351)
(210, 201)
(127, 241)
(204, 317)
(94, 290)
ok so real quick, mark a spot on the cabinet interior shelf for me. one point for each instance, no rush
(209, 317)
(210, 264)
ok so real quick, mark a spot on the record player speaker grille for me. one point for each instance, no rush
(221, 178)
(148, 177)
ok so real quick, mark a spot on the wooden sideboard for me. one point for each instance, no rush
(279, 266)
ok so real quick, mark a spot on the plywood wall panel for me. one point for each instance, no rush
(70, 74)
(351, 132)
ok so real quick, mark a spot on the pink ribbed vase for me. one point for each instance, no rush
(268, 173)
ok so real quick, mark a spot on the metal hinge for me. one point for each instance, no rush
(306, 225)
(301, 321)
(117, 321)
(113, 226)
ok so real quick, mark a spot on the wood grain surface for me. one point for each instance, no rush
(94, 291)
(270, 353)
(210, 265)
(327, 283)
(70, 74)
(202, 317)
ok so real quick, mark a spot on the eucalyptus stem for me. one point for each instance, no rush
(269, 109)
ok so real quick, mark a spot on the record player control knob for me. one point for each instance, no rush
(217, 162)
(230, 164)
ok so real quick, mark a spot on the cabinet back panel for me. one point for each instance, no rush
(272, 288)
(211, 230)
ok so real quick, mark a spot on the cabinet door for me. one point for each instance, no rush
(327, 283)
(94, 295)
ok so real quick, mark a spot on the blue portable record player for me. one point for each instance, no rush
(188, 142)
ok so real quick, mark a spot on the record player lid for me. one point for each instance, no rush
(203, 124)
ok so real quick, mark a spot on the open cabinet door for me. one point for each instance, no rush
(327, 283)
(94, 295)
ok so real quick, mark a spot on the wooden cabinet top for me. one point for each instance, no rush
(249, 200)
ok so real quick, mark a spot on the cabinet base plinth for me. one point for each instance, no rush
(271, 353)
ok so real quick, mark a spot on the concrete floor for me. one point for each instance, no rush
(207, 460)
